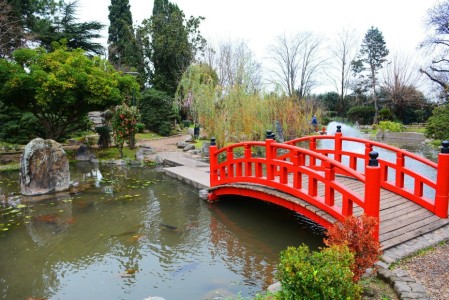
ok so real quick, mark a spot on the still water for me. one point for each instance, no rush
(132, 233)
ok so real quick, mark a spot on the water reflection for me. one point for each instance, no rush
(133, 233)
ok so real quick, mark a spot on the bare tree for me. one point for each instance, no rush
(437, 45)
(297, 62)
(10, 30)
(343, 51)
(401, 83)
(235, 65)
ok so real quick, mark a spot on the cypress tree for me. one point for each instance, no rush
(123, 52)
(171, 51)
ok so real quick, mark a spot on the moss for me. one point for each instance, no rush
(10, 167)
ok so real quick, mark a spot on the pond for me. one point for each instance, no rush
(133, 232)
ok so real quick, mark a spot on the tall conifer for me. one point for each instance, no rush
(123, 52)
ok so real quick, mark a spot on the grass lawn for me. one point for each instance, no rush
(147, 136)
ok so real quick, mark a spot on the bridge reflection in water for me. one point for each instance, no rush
(328, 184)
(250, 250)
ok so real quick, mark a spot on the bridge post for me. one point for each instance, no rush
(269, 155)
(213, 162)
(442, 189)
(338, 144)
(372, 190)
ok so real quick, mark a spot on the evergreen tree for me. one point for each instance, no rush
(123, 51)
(369, 61)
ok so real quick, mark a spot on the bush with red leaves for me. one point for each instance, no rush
(357, 234)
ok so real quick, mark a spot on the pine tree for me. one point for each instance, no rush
(370, 60)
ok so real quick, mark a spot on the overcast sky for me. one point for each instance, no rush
(259, 22)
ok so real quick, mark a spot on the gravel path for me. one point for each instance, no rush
(431, 269)
(164, 144)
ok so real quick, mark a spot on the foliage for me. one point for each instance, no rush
(157, 111)
(170, 43)
(361, 114)
(390, 126)
(33, 18)
(17, 126)
(199, 81)
(59, 88)
(124, 124)
(385, 114)
(123, 50)
(437, 46)
(105, 138)
(317, 275)
(436, 127)
(369, 61)
(236, 115)
(63, 27)
(330, 100)
(357, 235)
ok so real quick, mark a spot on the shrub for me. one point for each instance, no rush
(140, 127)
(157, 111)
(317, 275)
(186, 123)
(436, 127)
(385, 114)
(357, 234)
(105, 138)
(362, 114)
(391, 126)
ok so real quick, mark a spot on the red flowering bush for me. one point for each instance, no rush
(124, 124)
(357, 234)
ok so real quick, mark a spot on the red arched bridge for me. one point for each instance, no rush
(329, 177)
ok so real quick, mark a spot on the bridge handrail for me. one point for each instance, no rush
(364, 141)
(438, 205)
(319, 156)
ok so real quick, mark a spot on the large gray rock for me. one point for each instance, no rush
(44, 168)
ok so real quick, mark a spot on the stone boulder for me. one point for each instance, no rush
(84, 153)
(205, 149)
(188, 147)
(144, 152)
(44, 168)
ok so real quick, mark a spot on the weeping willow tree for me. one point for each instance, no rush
(231, 114)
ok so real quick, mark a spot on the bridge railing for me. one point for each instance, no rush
(303, 173)
(393, 173)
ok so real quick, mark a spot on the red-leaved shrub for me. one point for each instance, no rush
(357, 234)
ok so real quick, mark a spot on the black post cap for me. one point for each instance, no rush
(338, 128)
(445, 147)
(373, 162)
(212, 141)
(268, 134)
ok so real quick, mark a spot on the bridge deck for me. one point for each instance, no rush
(401, 220)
